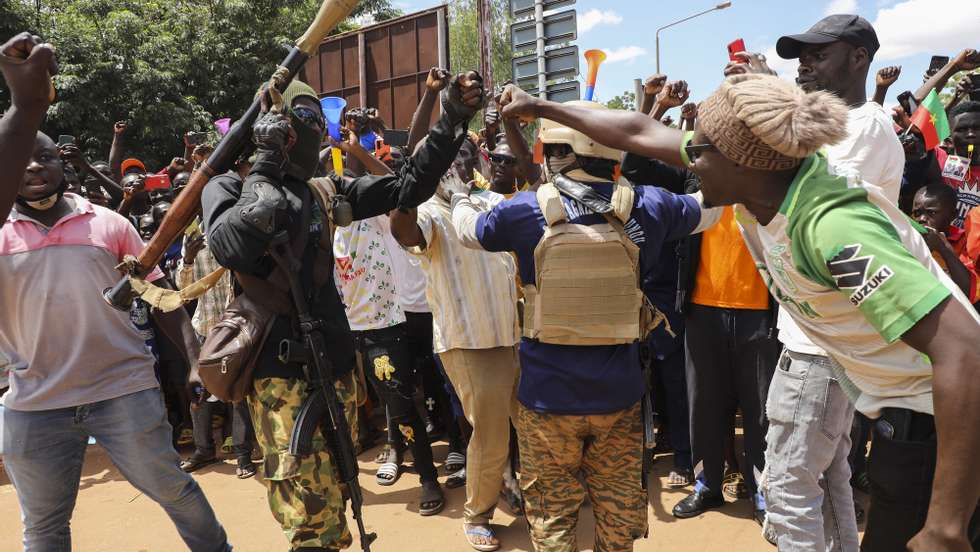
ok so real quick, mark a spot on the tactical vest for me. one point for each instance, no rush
(587, 278)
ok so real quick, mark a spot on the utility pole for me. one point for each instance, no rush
(539, 26)
(485, 31)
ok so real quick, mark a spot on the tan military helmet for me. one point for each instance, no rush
(582, 145)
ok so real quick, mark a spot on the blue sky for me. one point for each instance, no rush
(911, 31)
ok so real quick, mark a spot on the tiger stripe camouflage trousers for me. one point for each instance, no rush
(304, 494)
(607, 451)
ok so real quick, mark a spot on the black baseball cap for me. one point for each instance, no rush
(853, 29)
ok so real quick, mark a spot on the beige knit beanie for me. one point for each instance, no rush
(769, 124)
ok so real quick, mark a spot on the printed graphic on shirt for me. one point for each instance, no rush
(850, 270)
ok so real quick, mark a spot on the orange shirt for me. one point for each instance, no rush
(727, 276)
(972, 227)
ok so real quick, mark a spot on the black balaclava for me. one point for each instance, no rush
(305, 153)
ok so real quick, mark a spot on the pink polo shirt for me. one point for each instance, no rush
(67, 347)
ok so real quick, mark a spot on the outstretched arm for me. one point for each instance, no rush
(967, 60)
(116, 151)
(435, 82)
(26, 64)
(624, 130)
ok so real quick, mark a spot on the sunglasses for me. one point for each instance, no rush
(502, 159)
(309, 117)
(694, 151)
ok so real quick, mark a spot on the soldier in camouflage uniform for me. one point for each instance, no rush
(579, 416)
(241, 220)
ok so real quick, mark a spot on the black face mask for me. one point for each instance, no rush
(305, 154)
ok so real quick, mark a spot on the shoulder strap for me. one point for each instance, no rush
(623, 197)
(549, 199)
(323, 192)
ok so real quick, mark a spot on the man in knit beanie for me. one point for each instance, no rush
(834, 56)
(850, 269)
(243, 218)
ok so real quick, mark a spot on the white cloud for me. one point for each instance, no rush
(594, 18)
(785, 68)
(626, 53)
(841, 6)
(921, 26)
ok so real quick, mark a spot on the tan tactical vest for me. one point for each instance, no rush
(587, 278)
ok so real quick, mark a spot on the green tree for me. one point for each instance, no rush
(165, 66)
(625, 101)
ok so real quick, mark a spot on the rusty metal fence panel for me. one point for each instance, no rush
(392, 58)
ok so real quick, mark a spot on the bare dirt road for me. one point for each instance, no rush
(112, 515)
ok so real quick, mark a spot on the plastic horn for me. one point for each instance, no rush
(595, 59)
(333, 109)
(369, 140)
(231, 146)
(223, 125)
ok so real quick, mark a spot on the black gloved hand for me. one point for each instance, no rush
(464, 97)
(273, 136)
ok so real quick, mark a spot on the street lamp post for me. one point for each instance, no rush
(720, 6)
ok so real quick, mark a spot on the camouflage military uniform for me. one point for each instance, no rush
(607, 449)
(304, 495)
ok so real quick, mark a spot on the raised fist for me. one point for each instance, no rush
(465, 96)
(437, 79)
(272, 131)
(888, 75)
(654, 84)
(27, 65)
(674, 94)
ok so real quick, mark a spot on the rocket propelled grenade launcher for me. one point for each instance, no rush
(188, 204)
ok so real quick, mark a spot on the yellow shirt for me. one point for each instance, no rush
(727, 276)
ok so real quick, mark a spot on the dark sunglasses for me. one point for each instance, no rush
(694, 151)
(309, 117)
(502, 159)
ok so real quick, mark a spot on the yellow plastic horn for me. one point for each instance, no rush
(595, 59)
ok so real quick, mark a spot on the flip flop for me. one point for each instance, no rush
(457, 479)
(431, 495)
(482, 530)
(196, 462)
(455, 461)
(389, 471)
(246, 469)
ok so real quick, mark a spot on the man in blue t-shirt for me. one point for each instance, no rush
(579, 404)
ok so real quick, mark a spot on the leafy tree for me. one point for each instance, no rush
(625, 101)
(165, 66)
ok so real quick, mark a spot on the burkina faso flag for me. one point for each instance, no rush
(930, 119)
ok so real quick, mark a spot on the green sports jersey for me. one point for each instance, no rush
(855, 274)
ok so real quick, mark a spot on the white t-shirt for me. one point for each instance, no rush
(411, 282)
(873, 152)
(365, 272)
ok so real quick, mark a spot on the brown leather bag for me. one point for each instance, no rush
(232, 347)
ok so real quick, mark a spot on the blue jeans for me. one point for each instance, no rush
(44, 452)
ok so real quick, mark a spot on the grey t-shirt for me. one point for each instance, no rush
(66, 346)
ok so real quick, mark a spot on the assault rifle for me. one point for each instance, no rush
(321, 409)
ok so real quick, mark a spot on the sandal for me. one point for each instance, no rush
(431, 501)
(196, 462)
(679, 478)
(455, 461)
(246, 468)
(389, 471)
(482, 531)
(457, 479)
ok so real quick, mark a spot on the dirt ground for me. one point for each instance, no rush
(112, 515)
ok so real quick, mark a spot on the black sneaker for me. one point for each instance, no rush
(697, 503)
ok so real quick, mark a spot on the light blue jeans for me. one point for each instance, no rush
(44, 452)
(806, 482)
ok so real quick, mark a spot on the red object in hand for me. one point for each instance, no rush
(157, 182)
(735, 47)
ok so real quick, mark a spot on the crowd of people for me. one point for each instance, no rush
(791, 259)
